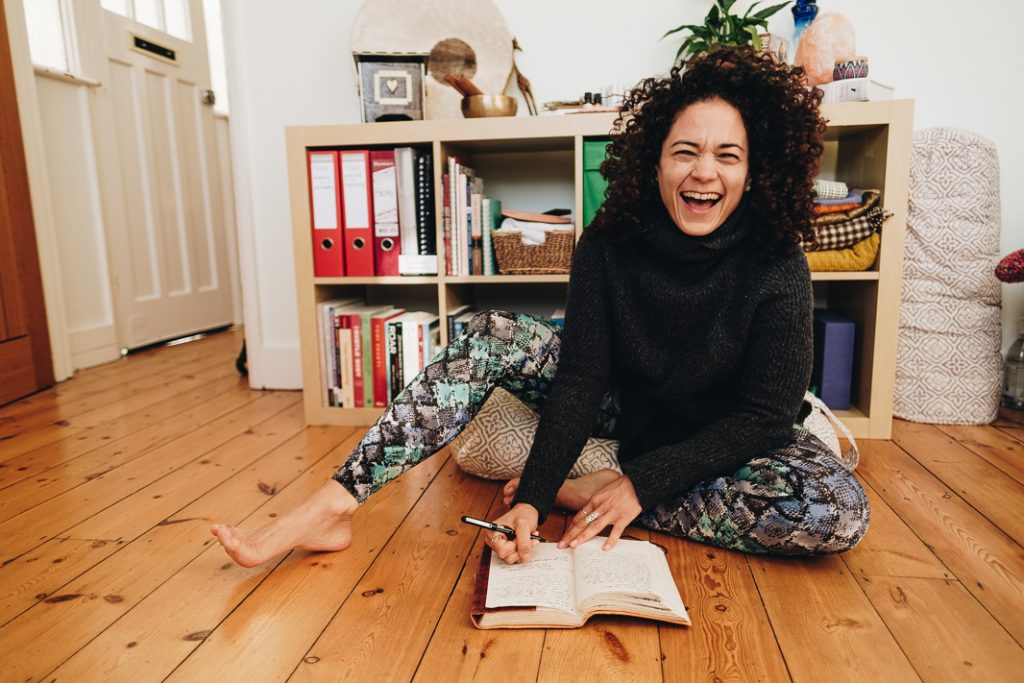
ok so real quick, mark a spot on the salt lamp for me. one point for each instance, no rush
(827, 40)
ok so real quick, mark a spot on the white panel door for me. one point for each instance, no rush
(174, 279)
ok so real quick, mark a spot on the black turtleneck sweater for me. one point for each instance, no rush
(707, 344)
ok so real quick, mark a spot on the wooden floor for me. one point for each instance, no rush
(109, 481)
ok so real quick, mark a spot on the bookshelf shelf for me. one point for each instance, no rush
(405, 280)
(539, 160)
(503, 279)
(861, 276)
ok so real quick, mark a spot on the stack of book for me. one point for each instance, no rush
(370, 353)
(468, 218)
(372, 212)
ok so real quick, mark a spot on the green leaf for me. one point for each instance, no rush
(751, 8)
(726, 4)
(755, 39)
(684, 27)
(769, 11)
(714, 18)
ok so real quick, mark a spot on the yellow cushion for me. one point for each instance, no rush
(858, 257)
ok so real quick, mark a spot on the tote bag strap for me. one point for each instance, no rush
(851, 458)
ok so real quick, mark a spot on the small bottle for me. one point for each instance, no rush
(1013, 372)
(804, 12)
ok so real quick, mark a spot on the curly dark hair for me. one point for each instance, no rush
(784, 128)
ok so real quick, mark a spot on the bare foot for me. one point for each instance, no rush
(322, 522)
(575, 493)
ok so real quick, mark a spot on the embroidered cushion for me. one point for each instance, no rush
(496, 442)
(948, 361)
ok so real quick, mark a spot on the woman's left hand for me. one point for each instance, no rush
(616, 504)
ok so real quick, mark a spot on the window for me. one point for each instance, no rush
(46, 43)
(118, 6)
(170, 16)
(176, 19)
(215, 49)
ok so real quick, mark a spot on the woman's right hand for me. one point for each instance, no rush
(522, 519)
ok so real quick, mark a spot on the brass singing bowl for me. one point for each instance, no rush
(475, 106)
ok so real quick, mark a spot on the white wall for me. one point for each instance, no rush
(290, 65)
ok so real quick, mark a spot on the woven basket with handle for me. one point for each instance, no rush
(516, 258)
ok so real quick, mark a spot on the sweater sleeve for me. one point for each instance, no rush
(571, 409)
(773, 378)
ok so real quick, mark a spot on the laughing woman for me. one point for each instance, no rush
(687, 337)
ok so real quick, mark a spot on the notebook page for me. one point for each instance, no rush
(545, 581)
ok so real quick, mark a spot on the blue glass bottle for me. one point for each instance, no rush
(804, 12)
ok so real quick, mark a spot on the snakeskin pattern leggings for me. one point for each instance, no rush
(795, 500)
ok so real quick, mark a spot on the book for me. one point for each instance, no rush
(460, 323)
(426, 236)
(450, 319)
(446, 222)
(357, 202)
(832, 371)
(394, 355)
(531, 217)
(405, 166)
(563, 588)
(326, 341)
(386, 243)
(491, 216)
(325, 211)
(477, 250)
(357, 318)
(379, 348)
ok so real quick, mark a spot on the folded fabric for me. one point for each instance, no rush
(830, 189)
(871, 198)
(858, 257)
(852, 197)
(847, 233)
(821, 209)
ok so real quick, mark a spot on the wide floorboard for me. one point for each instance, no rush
(109, 481)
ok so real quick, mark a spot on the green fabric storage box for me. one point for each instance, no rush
(594, 184)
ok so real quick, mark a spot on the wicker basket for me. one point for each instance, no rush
(516, 258)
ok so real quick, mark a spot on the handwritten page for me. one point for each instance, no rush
(631, 567)
(544, 581)
(623, 569)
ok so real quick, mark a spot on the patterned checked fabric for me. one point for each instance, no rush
(847, 233)
(871, 199)
(830, 189)
(948, 361)
(797, 500)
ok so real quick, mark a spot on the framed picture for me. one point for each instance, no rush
(391, 86)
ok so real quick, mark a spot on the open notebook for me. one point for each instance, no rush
(562, 588)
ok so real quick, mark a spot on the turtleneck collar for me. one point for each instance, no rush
(668, 240)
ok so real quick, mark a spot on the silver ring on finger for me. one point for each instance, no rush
(591, 517)
(495, 539)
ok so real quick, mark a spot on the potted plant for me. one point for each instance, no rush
(721, 27)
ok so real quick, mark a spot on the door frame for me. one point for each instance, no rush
(39, 189)
(25, 253)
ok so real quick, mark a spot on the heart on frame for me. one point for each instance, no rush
(391, 84)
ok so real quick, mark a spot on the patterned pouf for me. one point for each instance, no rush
(948, 361)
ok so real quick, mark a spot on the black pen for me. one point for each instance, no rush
(491, 526)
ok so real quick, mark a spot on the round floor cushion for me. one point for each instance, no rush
(948, 361)
(496, 442)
